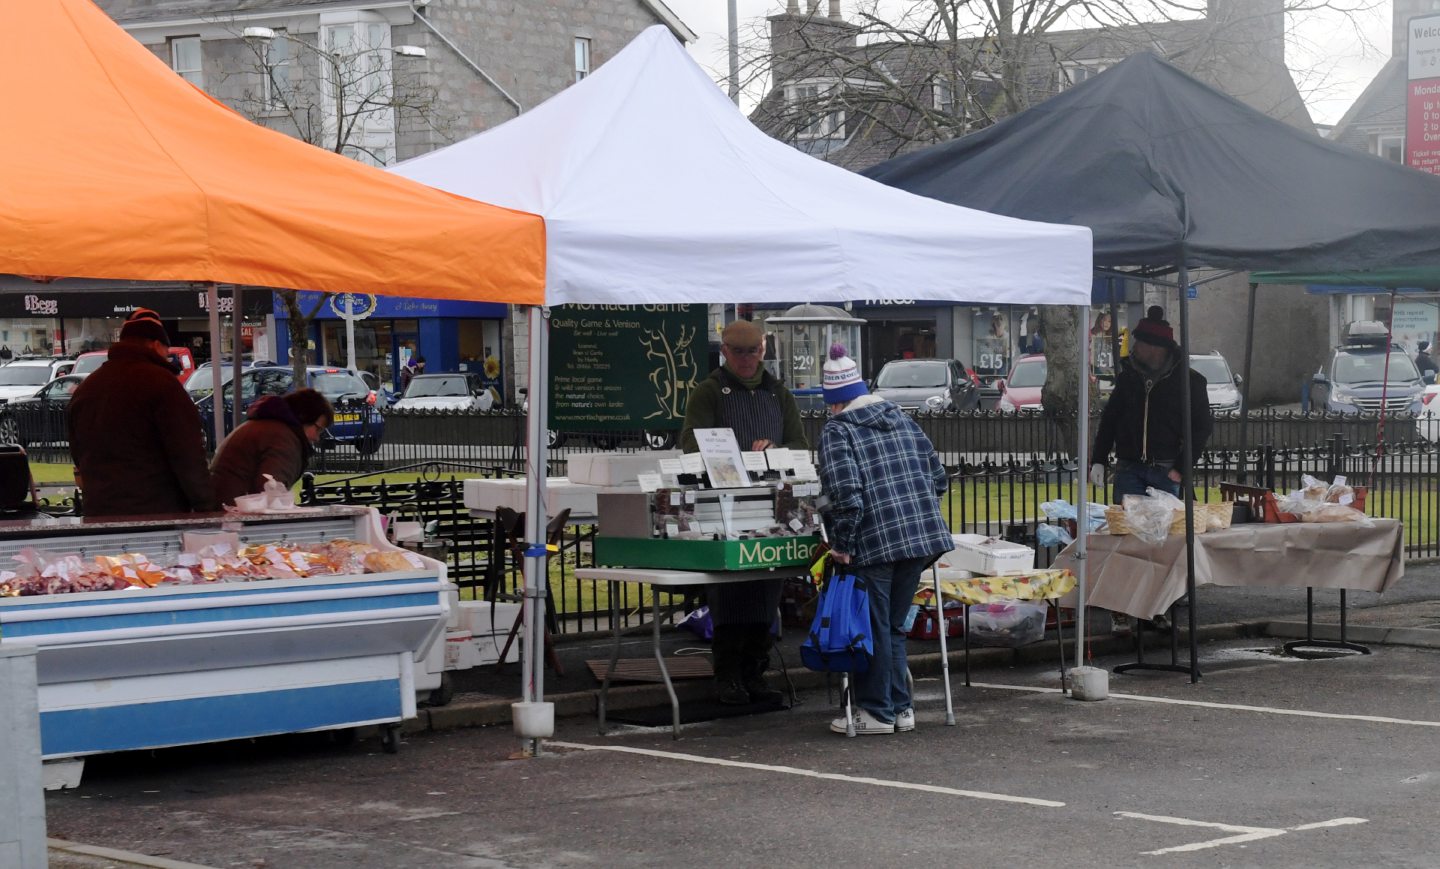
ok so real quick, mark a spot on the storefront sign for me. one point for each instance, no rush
(170, 304)
(624, 366)
(352, 306)
(396, 307)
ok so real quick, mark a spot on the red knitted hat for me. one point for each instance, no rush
(1155, 332)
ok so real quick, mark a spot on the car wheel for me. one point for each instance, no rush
(9, 430)
(660, 440)
(367, 446)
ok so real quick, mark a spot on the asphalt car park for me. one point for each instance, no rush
(1266, 761)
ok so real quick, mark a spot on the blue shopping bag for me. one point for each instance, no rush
(840, 639)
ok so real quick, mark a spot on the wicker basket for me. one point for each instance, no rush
(1206, 515)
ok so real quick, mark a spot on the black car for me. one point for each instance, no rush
(40, 418)
(357, 422)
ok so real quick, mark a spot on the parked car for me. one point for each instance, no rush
(1355, 376)
(1427, 423)
(1020, 389)
(39, 418)
(180, 357)
(446, 391)
(357, 423)
(1222, 385)
(201, 382)
(24, 377)
(927, 384)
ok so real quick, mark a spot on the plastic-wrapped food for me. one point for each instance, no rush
(1007, 623)
(1149, 517)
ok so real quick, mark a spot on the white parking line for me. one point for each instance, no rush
(1242, 834)
(1238, 707)
(808, 773)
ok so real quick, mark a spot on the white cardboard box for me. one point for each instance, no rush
(615, 469)
(989, 556)
(560, 492)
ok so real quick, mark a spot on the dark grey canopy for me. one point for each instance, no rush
(1166, 170)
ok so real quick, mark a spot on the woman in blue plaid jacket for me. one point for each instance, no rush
(884, 483)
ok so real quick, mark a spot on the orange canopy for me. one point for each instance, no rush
(112, 166)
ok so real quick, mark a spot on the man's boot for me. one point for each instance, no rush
(758, 643)
(727, 652)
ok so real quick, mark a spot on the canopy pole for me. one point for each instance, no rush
(532, 690)
(1082, 497)
(1384, 394)
(1187, 474)
(235, 347)
(1114, 334)
(217, 406)
(1245, 389)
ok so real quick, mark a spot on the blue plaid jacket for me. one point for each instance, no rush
(884, 482)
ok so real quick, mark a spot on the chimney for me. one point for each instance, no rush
(792, 7)
(835, 10)
(814, 6)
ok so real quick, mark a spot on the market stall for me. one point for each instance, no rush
(156, 181)
(1172, 175)
(657, 191)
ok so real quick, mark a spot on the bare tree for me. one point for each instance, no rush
(344, 90)
(896, 75)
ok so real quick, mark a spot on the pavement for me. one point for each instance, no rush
(459, 795)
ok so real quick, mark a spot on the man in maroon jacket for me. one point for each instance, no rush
(135, 434)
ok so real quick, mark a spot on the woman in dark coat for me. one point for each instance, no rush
(277, 439)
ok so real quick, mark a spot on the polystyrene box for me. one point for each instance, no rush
(560, 492)
(989, 556)
(615, 469)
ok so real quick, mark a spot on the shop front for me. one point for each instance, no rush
(48, 322)
(391, 332)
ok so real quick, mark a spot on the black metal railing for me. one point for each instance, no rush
(1003, 468)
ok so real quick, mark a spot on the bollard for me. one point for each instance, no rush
(22, 823)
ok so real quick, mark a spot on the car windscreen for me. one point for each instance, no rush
(1212, 368)
(1367, 368)
(335, 385)
(1027, 374)
(24, 375)
(428, 387)
(911, 375)
(87, 364)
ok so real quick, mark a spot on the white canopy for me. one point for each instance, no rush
(655, 189)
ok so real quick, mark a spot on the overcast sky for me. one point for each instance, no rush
(1325, 48)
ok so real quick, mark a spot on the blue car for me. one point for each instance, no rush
(357, 421)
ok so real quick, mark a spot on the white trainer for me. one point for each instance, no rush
(865, 724)
(905, 721)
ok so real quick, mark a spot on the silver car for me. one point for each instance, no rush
(927, 384)
(1224, 386)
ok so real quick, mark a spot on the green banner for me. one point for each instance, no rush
(615, 367)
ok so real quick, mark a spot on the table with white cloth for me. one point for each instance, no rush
(660, 581)
(1126, 574)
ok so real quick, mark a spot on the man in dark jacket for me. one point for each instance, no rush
(1424, 362)
(1142, 422)
(884, 482)
(277, 439)
(746, 398)
(135, 434)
